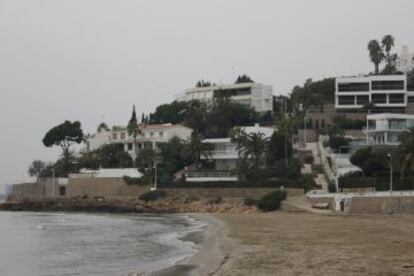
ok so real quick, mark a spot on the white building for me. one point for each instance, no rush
(256, 95)
(386, 91)
(386, 128)
(224, 157)
(151, 134)
(405, 61)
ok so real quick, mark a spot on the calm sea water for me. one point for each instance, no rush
(91, 244)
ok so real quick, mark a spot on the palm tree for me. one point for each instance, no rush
(237, 135)
(387, 44)
(376, 54)
(134, 130)
(406, 150)
(253, 147)
(197, 148)
(87, 140)
(286, 127)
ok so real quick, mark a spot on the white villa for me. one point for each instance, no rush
(256, 95)
(151, 134)
(385, 128)
(386, 91)
(224, 156)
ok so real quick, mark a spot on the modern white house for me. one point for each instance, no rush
(386, 91)
(151, 134)
(405, 60)
(386, 128)
(256, 95)
(224, 157)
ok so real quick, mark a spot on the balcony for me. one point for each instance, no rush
(210, 176)
(221, 154)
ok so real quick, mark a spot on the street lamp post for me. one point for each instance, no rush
(390, 156)
(155, 177)
(53, 182)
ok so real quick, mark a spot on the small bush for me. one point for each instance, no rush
(308, 182)
(271, 201)
(309, 159)
(85, 196)
(248, 201)
(331, 188)
(143, 180)
(152, 196)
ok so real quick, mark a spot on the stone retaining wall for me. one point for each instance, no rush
(103, 187)
(382, 205)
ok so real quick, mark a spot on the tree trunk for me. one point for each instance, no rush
(376, 68)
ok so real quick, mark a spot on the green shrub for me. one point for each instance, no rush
(248, 201)
(143, 180)
(331, 188)
(152, 196)
(309, 159)
(271, 201)
(308, 182)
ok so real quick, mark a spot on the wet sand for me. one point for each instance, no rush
(283, 243)
(215, 249)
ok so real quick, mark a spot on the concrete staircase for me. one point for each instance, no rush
(317, 170)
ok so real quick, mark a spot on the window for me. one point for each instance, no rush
(361, 100)
(62, 190)
(388, 85)
(151, 134)
(397, 124)
(115, 136)
(161, 134)
(323, 123)
(379, 98)
(310, 122)
(396, 98)
(353, 87)
(122, 135)
(129, 146)
(346, 100)
(317, 123)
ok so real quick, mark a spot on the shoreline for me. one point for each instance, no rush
(215, 247)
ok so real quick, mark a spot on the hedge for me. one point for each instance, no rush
(286, 183)
(379, 183)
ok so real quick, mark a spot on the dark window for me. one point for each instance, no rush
(310, 123)
(361, 100)
(379, 98)
(410, 99)
(317, 123)
(62, 190)
(323, 123)
(129, 146)
(232, 92)
(387, 85)
(353, 87)
(396, 98)
(346, 100)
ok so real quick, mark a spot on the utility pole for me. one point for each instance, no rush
(53, 182)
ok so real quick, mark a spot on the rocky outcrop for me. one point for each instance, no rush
(167, 205)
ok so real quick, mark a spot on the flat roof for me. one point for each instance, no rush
(371, 77)
(223, 86)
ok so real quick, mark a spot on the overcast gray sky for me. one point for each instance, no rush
(85, 59)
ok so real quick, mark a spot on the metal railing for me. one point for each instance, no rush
(201, 174)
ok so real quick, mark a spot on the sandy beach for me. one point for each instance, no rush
(285, 243)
